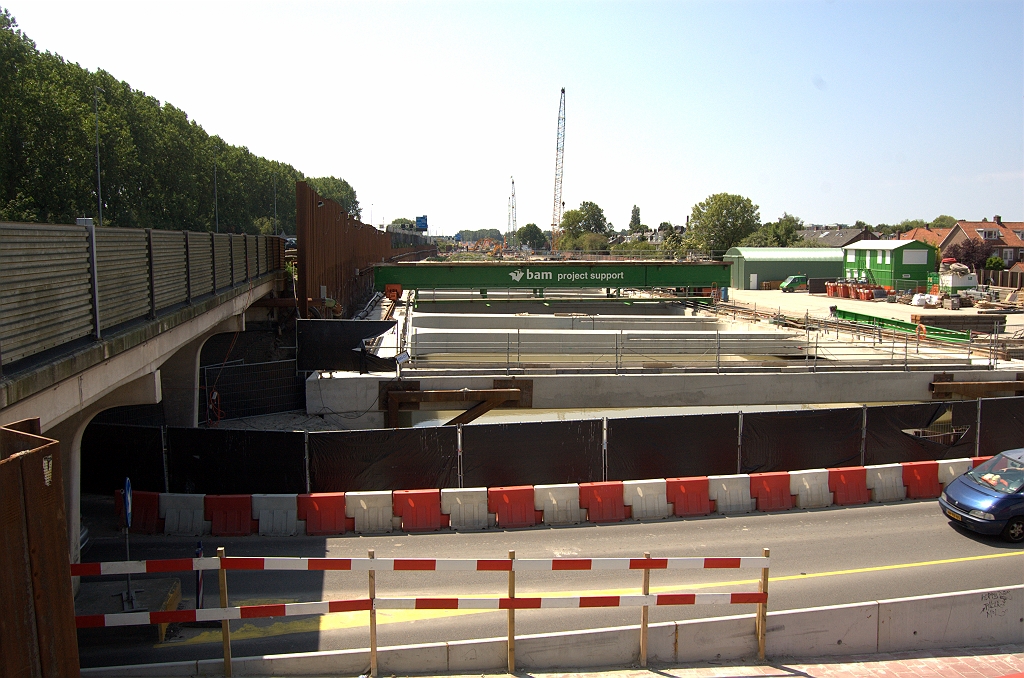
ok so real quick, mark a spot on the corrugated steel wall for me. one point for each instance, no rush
(38, 637)
(45, 283)
(46, 278)
(338, 252)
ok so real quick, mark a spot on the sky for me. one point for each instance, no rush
(833, 111)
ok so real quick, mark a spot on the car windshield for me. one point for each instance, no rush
(1000, 473)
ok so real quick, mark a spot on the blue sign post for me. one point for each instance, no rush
(128, 597)
(127, 502)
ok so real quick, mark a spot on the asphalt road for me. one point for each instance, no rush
(819, 557)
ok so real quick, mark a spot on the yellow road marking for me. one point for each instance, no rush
(347, 620)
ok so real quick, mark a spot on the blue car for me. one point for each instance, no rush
(989, 499)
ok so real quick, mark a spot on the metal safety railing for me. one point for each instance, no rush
(371, 565)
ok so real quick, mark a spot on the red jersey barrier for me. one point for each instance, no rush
(771, 490)
(849, 486)
(921, 478)
(420, 510)
(604, 502)
(689, 496)
(145, 512)
(977, 461)
(324, 513)
(230, 515)
(513, 506)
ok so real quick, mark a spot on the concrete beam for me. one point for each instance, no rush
(21, 385)
(345, 393)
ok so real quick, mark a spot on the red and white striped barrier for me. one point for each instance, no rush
(522, 506)
(414, 564)
(365, 604)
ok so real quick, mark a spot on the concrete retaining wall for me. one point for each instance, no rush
(355, 393)
(980, 618)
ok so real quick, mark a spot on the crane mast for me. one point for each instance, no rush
(512, 228)
(556, 212)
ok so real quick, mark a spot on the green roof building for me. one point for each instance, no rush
(894, 264)
(752, 266)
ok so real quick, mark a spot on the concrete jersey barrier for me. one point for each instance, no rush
(476, 508)
(980, 618)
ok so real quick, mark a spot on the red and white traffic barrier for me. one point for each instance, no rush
(529, 505)
(89, 621)
(415, 564)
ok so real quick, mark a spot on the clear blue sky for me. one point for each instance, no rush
(832, 111)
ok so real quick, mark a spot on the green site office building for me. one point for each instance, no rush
(753, 266)
(894, 264)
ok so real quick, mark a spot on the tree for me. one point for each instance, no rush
(666, 227)
(943, 221)
(531, 236)
(722, 221)
(634, 220)
(972, 252)
(156, 165)
(339, 191)
(995, 264)
(589, 218)
(780, 233)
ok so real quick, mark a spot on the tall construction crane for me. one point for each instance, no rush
(512, 228)
(556, 213)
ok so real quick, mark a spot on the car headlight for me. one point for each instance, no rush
(981, 514)
(943, 496)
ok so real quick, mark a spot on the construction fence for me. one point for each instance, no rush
(222, 461)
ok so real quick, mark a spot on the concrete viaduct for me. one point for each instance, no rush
(94, 318)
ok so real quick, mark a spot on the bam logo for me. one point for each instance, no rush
(517, 275)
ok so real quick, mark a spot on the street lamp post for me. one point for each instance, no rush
(96, 89)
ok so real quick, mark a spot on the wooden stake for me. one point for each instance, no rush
(762, 611)
(225, 625)
(373, 618)
(511, 617)
(643, 614)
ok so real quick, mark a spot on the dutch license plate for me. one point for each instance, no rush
(954, 516)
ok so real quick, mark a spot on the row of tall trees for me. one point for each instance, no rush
(156, 166)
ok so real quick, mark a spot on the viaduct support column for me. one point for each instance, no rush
(142, 391)
(180, 376)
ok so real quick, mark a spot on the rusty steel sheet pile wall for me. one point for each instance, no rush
(95, 279)
(337, 251)
(538, 453)
(37, 627)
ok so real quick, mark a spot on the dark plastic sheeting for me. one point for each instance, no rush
(110, 453)
(388, 459)
(226, 461)
(802, 439)
(1002, 425)
(887, 443)
(671, 447)
(541, 453)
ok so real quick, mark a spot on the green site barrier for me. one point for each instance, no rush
(938, 333)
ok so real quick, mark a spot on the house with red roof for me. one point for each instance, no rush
(1006, 237)
(932, 236)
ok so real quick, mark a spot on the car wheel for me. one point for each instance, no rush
(1014, 530)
